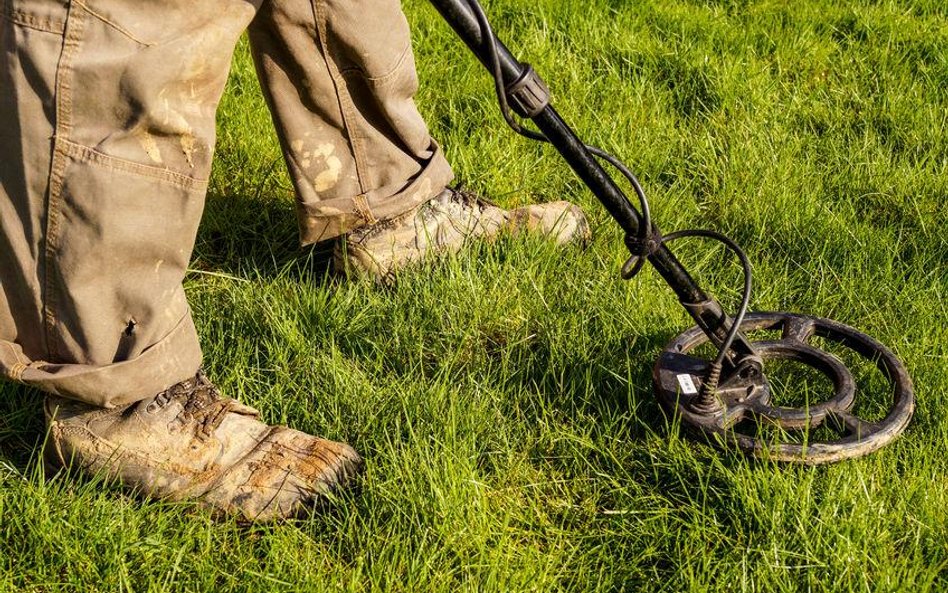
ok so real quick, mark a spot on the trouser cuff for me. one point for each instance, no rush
(328, 219)
(170, 361)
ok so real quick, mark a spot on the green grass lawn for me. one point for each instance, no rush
(502, 399)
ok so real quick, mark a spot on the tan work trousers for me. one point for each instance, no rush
(106, 137)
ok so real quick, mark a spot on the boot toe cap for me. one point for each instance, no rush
(288, 473)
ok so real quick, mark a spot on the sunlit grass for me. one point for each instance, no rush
(502, 398)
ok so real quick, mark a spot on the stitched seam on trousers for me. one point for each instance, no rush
(16, 373)
(384, 78)
(346, 107)
(364, 210)
(16, 354)
(112, 24)
(19, 17)
(93, 156)
(63, 126)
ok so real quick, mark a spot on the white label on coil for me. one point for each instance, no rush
(687, 384)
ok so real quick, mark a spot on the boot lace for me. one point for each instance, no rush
(202, 405)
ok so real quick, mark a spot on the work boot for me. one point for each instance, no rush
(190, 443)
(444, 225)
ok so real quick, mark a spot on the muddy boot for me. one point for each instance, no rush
(190, 443)
(444, 225)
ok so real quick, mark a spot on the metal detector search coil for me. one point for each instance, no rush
(751, 398)
(712, 397)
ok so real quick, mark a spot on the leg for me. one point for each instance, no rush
(340, 80)
(107, 111)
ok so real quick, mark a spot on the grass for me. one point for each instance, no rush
(502, 398)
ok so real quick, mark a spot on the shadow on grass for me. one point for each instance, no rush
(22, 427)
(256, 237)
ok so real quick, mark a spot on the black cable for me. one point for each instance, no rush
(490, 42)
(748, 279)
(649, 239)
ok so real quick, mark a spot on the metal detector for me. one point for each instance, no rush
(728, 397)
